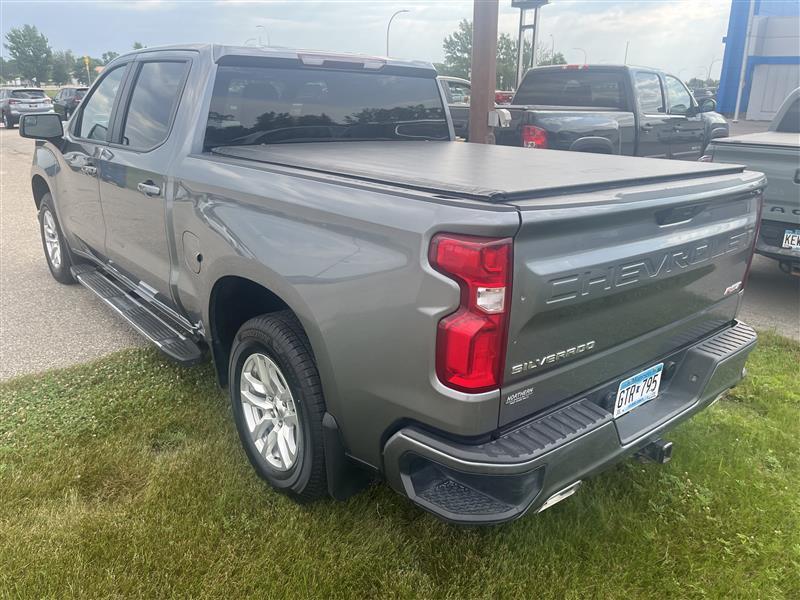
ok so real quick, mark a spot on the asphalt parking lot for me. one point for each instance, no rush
(45, 325)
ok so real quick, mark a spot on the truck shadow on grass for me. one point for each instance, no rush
(125, 476)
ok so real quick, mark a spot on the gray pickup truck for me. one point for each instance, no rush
(776, 153)
(607, 109)
(483, 326)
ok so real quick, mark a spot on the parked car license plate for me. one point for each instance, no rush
(791, 239)
(637, 390)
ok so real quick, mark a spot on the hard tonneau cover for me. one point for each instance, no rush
(763, 138)
(475, 171)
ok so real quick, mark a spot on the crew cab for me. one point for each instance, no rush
(635, 111)
(776, 153)
(483, 326)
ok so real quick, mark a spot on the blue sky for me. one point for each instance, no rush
(682, 36)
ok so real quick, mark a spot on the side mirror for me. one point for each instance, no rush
(41, 127)
(708, 105)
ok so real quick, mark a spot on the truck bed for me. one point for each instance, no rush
(479, 172)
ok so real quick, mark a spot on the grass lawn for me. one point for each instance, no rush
(125, 477)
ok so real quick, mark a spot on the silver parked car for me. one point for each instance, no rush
(17, 101)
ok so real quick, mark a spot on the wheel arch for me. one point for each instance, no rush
(593, 144)
(235, 299)
(40, 187)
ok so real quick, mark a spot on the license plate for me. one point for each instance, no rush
(637, 390)
(791, 239)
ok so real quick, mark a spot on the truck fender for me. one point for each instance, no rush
(596, 144)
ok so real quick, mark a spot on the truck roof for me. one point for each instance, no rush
(220, 50)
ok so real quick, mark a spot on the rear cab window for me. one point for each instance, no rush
(157, 88)
(271, 103)
(573, 87)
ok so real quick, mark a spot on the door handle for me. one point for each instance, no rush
(676, 129)
(646, 127)
(89, 170)
(148, 188)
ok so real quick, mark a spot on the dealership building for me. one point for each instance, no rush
(766, 35)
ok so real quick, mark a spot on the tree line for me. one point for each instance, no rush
(31, 59)
(458, 56)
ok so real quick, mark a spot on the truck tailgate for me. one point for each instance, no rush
(607, 283)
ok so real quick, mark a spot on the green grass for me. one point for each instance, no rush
(125, 478)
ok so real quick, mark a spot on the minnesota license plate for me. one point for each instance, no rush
(791, 239)
(637, 390)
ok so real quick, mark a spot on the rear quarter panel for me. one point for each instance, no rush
(351, 261)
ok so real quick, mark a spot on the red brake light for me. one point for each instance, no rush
(12, 101)
(471, 342)
(533, 137)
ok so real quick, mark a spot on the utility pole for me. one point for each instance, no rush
(484, 70)
(585, 56)
(627, 44)
(88, 72)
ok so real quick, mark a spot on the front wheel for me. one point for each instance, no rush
(278, 405)
(55, 249)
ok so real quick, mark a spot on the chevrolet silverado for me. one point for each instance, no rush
(482, 326)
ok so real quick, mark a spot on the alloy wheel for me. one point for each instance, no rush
(270, 412)
(51, 239)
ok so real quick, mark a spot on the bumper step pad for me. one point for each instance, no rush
(168, 336)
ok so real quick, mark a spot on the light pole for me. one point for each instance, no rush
(627, 45)
(389, 25)
(708, 75)
(264, 29)
(552, 50)
(585, 56)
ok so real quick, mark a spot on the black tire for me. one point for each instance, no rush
(280, 337)
(7, 121)
(61, 272)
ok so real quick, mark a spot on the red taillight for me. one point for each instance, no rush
(471, 342)
(533, 137)
(13, 101)
(760, 201)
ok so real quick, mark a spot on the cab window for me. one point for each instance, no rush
(155, 95)
(95, 117)
(648, 93)
(790, 123)
(679, 98)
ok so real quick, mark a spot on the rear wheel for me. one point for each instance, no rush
(7, 122)
(55, 249)
(278, 405)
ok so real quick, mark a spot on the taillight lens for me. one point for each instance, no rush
(760, 202)
(533, 137)
(471, 342)
(13, 101)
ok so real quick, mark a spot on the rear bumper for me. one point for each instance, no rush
(522, 469)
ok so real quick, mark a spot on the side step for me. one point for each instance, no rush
(156, 327)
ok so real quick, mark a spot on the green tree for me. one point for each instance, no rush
(63, 65)
(8, 69)
(138, 45)
(31, 52)
(109, 56)
(458, 50)
(458, 56)
(544, 57)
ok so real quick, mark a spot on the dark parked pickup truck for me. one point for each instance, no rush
(605, 109)
(483, 326)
